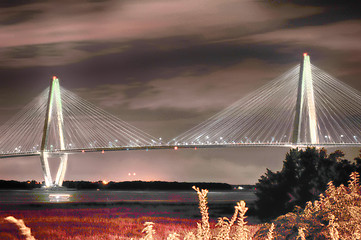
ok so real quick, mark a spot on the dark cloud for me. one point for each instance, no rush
(19, 17)
(332, 15)
(91, 47)
(323, 3)
(23, 52)
(11, 4)
(143, 60)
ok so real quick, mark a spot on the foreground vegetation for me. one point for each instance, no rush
(336, 215)
(304, 176)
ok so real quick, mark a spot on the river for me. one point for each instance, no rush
(180, 204)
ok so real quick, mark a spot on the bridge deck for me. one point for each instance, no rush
(176, 147)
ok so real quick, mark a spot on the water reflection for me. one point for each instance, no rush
(59, 197)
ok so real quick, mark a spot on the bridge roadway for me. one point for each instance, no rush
(176, 147)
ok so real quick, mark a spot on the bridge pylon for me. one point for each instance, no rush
(53, 113)
(305, 105)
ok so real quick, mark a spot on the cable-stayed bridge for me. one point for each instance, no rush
(304, 106)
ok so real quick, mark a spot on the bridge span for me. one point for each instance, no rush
(303, 107)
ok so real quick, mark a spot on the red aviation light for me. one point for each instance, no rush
(175, 148)
(54, 77)
(305, 54)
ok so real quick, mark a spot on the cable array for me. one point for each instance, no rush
(23, 132)
(85, 126)
(263, 116)
(338, 109)
(266, 116)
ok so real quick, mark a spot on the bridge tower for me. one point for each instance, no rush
(53, 113)
(305, 105)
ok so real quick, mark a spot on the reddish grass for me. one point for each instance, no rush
(98, 223)
(101, 223)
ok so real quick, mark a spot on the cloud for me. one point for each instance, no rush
(107, 96)
(205, 92)
(17, 17)
(337, 36)
(333, 47)
(27, 28)
(166, 107)
(133, 19)
(53, 54)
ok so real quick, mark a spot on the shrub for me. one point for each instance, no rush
(336, 215)
(304, 176)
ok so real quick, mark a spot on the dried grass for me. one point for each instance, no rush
(23, 229)
(149, 231)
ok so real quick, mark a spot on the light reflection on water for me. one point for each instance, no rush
(59, 197)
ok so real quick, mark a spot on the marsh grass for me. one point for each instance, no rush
(23, 229)
(337, 215)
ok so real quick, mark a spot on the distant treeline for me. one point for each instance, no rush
(140, 185)
(133, 185)
(19, 185)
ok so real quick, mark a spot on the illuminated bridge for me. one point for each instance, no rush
(303, 107)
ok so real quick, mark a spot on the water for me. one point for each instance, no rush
(38, 197)
(179, 204)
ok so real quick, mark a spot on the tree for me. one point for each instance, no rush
(304, 175)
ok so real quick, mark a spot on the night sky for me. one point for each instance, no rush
(164, 66)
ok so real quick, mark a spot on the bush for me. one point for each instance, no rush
(336, 215)
(304, 176)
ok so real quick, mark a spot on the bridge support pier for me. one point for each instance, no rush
(61, 170)
(44, 158)
(46, 169)
(53, 99)
(305, 100)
